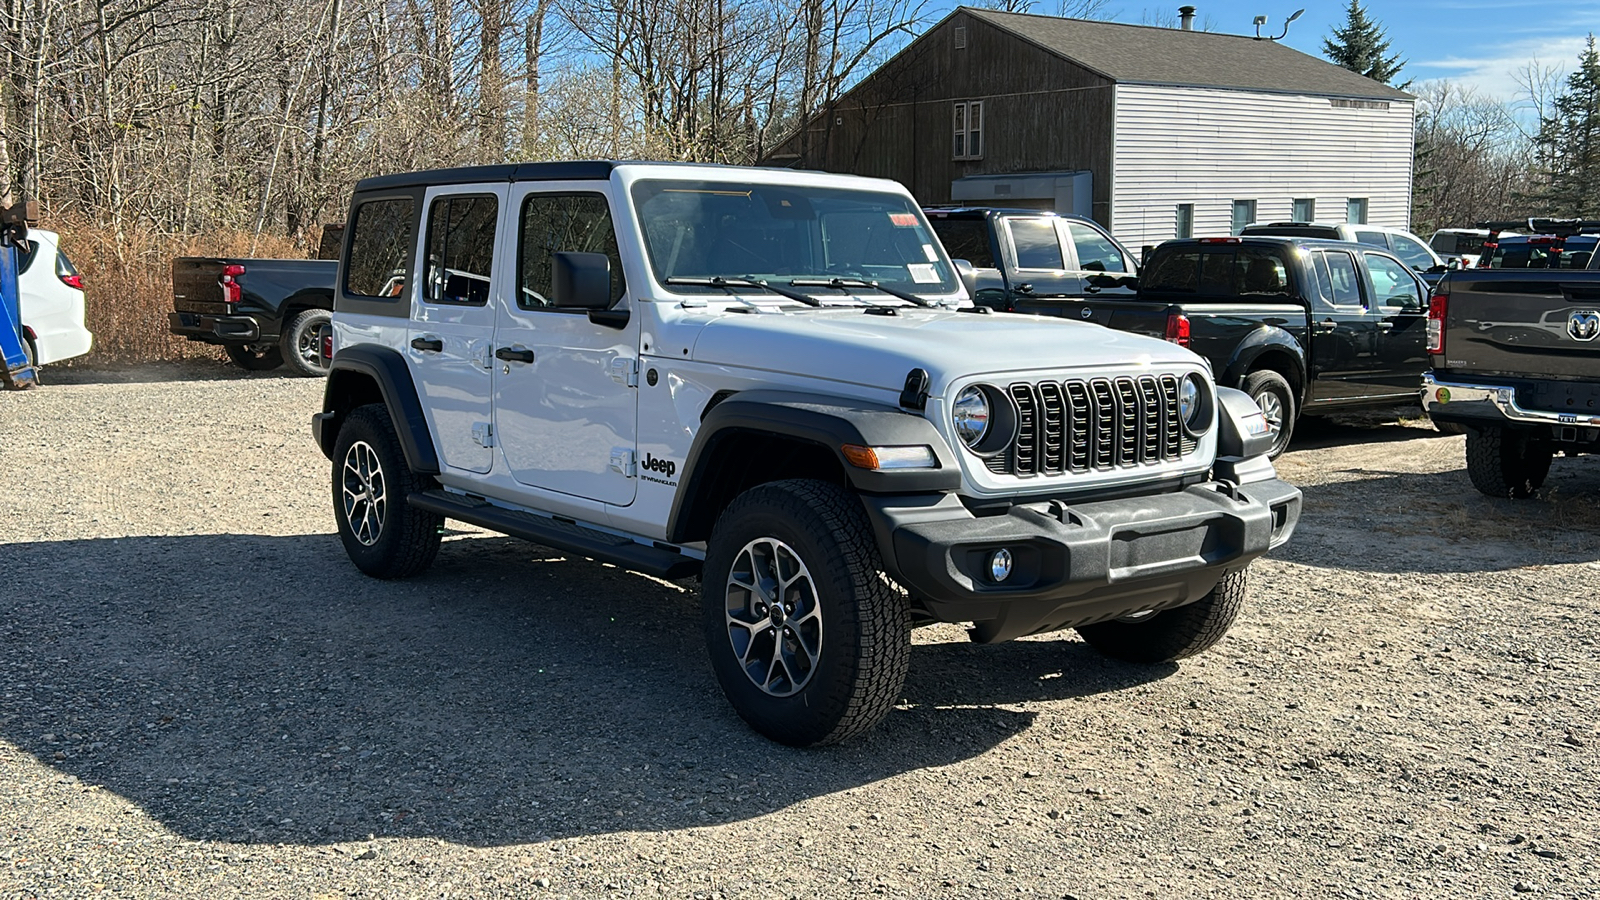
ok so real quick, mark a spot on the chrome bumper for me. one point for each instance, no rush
(1459, 400)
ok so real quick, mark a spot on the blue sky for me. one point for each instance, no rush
(1479, 42)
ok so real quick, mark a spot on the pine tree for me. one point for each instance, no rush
(1361, 46)
(1569, 142)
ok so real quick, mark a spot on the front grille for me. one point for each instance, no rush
(1098, 423)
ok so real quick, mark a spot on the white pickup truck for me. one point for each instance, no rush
(775, 380)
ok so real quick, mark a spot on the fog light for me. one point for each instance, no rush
(1000, 565)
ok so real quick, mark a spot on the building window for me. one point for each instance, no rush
(1305, 210)
(961, 37)
(969, 129)
(1244, 212)
(1185, 220)
(1355, 211)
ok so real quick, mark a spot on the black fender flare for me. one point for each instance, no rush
(386, 368)
(1263, 340)
(826, 422)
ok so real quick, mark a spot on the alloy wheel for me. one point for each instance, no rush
(774, 620)
(366, 498)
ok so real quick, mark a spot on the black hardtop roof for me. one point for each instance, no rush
(571, 170)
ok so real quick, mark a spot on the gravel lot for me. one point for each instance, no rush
(201, 697)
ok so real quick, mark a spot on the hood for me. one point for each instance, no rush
(877, 351)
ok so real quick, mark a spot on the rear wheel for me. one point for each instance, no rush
(255, 357)
(1172, 634)
(384, 535)
(1507, 462)
(1272, 394)
(807, 636)
(302, 343)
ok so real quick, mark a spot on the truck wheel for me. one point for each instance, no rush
(385, 536)
(1507, 462)
(255, 357)
(1275, 398)
(808, 638)
(1172, 634)
(302, 347)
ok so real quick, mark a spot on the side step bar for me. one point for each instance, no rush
(561, 535)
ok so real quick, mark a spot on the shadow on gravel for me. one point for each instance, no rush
(1350, 429)
(153, 373)
(1405, 522)
(258, 689)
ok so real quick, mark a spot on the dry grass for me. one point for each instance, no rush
(128, 284)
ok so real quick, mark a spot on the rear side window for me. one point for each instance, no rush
(1096, 252)
(562, 223)
(1174, 271)
(382, 238)
(1036, 243)
(461, 248)
(25, 254)
(1344, 280)
(1374, 238)
(966, 239)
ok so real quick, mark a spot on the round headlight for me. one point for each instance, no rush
(971, 415)
(1192, 408)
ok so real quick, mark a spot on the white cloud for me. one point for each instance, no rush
(1498, 75)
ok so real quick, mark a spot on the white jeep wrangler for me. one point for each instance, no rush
(774, 379)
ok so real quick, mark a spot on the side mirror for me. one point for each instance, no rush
(1437, 270)
(968, 276)
(580, 280)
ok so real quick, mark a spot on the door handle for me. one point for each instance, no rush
(1385, 327)
(1324, 327)
(514, 354)
(428, 344)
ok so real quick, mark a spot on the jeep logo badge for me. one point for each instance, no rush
(665, 466)
(1584, 324)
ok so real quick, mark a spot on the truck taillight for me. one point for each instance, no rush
(1436, 312)
(231, 291)
(1178, 328)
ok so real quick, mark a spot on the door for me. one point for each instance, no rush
(1096, 254)
(564, 404)
(449, 341)
(1040, 263)
(1343, 333)
(1399, 302)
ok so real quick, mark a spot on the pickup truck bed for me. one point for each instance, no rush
(255, 308)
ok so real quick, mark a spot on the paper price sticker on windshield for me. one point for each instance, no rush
(930, 253)
(922, 274)
(903, 220)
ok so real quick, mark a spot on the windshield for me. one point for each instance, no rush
(703, 229)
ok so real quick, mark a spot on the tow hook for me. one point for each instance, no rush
(1231, 490)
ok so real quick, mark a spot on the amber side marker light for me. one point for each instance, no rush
(877, 458)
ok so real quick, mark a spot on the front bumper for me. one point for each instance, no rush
(1074, 564)
(213, 329)
(1453, 401)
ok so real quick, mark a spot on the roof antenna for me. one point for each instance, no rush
(1262, 20)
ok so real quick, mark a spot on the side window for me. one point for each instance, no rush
(1375, 238)
(1172, 272)
(26, 251)
(556, 223)
(1392, 283)
(1319, 264)
(966, 239)
(379, 245)
(1036, 243)
(1095, 252)
(1412, 253)
(461, 248)
(1342, 275)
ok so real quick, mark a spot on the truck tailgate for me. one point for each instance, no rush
(1527, 323)
(196, 284)
(1133, 316)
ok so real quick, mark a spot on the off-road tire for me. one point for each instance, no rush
(1173, 634)
(865, 647)
(1507, 462)
(1449, 427)
(300, 347)
(406, 539)
(246, 356)
(1267, 388)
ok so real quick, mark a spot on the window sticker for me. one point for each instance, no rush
(930, 253)
(903, 220)
(923, 274)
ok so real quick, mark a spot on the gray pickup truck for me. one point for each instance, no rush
(1515, 359)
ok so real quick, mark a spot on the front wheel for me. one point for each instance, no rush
(384, 535)
(1507, 462)
(1172, 634)
(302, 340)
(1275, 398)
(807, 636)
(255, 357)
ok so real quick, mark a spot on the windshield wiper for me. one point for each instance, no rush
(844, 284)
(728, 284)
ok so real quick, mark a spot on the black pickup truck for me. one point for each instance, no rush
(1026, 260)
(1515, 357)
(255, 308)
(1303, 326)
